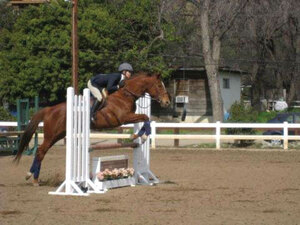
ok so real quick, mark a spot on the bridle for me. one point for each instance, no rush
(157, 90)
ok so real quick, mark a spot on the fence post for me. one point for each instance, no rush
(153, 134)
(285, 135)
(218, 135)
(176, 141)
(120, 131)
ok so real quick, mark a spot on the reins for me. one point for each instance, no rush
(133, 94)
(137, 97)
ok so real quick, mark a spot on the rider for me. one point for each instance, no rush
(101, 85)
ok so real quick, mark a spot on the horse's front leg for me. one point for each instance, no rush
(146, 128)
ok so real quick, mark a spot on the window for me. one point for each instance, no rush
(226, 83)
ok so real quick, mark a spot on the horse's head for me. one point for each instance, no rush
(142, 83)
(157, 90)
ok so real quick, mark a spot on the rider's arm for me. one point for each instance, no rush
(111, 87)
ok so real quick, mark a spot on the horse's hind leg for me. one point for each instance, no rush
(40, 154)
(37, 162)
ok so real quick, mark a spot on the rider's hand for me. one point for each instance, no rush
(104, 93)
(122, 84)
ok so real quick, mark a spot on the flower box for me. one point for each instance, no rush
(108, 184)
(101, 164)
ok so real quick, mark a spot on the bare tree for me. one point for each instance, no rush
(215, 18)
(269, 36)
(291, 43)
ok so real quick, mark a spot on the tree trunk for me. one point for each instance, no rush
(294, 81)
(257, 86)
(215, 92)
(279, 85)
(292, 91)
(211, 53)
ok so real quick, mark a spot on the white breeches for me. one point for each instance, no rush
(96, 92)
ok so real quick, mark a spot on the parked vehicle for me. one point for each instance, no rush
(293, 117)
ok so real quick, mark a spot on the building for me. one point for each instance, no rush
(189, 91)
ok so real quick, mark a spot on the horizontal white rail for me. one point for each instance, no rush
(225, 125)
(8, 124)
(14, 124)
(193, 125)
(215, 126)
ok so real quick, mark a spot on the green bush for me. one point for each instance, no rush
(293, 110)
(239, 113)
(264, 117)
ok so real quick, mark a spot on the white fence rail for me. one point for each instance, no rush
(217, 136)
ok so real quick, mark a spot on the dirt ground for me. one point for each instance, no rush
(198, 187)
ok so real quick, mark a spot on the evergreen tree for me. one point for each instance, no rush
(35, 55)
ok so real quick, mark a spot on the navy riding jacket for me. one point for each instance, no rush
(108, 81)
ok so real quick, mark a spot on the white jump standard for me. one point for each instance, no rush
(141, 154)
(78, 142)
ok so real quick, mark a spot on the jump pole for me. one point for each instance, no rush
(102, 146)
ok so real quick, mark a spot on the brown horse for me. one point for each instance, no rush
(118, 110)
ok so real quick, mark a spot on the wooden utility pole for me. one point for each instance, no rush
(74, 47)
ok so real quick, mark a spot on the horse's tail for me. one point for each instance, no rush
(28, 133)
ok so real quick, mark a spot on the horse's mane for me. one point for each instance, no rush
(141, 74)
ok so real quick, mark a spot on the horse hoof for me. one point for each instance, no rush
(35, 183)
(28, 175)
(144, 138)
(134, 136)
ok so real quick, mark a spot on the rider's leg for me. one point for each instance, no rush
(104, 95)
(98, 95)
(94, 108)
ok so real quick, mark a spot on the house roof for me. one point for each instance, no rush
(202, 68)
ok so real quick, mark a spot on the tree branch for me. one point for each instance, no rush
(232, 19)
(161, 34)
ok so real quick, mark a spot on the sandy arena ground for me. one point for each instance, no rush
(199, 187)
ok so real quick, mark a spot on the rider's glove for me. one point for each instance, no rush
(122, 84)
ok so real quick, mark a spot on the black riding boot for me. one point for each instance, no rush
(94, 109)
